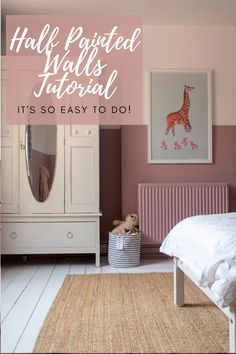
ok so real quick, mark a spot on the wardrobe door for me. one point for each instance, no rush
(82, 169)
(10, 160)
(10, 169)
(41, 169)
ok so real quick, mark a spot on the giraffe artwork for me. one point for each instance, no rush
(179, 129)
(182, 115)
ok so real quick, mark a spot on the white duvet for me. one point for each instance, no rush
(207, 245)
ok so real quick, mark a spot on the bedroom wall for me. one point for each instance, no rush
(187, 47)
(197, 47)
(124, 153)
(110, 179)
(135, 168)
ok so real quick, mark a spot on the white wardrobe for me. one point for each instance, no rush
(50, 189)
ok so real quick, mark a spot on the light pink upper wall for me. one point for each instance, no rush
(192, 47)
(135, 168)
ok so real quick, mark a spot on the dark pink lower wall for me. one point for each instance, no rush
(123, 164)
(110, 179)
(135, 168)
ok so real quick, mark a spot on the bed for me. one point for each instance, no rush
(204, 248)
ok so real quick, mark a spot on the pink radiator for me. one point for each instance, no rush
(161, 206)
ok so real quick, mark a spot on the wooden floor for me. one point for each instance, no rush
(28, 289)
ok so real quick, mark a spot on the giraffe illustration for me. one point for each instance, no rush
(182, 115)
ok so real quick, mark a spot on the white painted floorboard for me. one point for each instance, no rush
(16, 287)
(27, 340)
(16, 321)
(9, 274)
(28, 291)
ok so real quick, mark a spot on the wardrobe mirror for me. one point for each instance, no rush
(40, 152)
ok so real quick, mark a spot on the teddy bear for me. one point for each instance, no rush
(128, 226)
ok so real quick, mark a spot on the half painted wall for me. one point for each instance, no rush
(174, 47)
(186, 47)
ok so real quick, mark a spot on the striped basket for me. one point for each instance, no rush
(124, 250)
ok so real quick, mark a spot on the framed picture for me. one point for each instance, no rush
(180, 116)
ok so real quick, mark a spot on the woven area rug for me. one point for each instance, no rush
(131, 313)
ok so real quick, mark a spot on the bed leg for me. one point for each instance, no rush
(178, 285)
(232, 329)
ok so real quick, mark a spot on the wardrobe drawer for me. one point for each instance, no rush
(51, 236)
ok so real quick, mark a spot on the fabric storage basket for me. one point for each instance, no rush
(124, 250)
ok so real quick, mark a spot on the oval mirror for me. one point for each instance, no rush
(41, 151)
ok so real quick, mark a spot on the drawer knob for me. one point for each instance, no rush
(13, 235)
(88, 132)
(69, 235)
(75, 132)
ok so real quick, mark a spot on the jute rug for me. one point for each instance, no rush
(131, 313)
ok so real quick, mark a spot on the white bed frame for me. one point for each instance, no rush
(179, 270)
